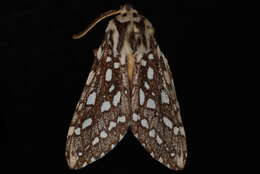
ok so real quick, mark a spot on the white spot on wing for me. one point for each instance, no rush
(112, 124)
(86, 123)
(112, 87)
(112, 146)
(164, 98)
(150, 104)
(150, 56)
(84, 164)
(105, 106)
(161, 160)
(152, 133)
(95, 141)
(175, 130)
(141, 96)
(99, 53)
(90, 77)
(167, 122)
(144, 123)
(144, 63)
(150, 73)
(159, 140)
(136, 117)
(172, 154)
(116, 65)
(146, 85)
(92, 159)
(108, 74)
(91, 98)
(116, 98)
(102, 154)
(77, 131)
(121, 119)
(108, 59)
(103, 134)
(152, 154)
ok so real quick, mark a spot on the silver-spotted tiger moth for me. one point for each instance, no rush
(130, 87)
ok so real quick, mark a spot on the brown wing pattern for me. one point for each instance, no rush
(101, 116)
(156, 120)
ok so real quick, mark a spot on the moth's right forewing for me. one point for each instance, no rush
(156, 120)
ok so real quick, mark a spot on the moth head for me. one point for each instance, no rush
(124, 15)
(127, 13)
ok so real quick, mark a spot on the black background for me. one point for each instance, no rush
(45, 70)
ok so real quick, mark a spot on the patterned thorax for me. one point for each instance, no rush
(130, 32)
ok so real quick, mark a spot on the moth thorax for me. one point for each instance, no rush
(134, 40)
(127, 52)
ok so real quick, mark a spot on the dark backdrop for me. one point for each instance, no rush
(45, 71)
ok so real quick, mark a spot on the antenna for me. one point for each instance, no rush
(97, 20)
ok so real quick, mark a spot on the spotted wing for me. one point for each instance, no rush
(100, 119)
(156, 120)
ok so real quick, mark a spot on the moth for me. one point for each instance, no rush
(129, 88)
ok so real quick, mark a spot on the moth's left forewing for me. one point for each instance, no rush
(156, 120)
(101, 117)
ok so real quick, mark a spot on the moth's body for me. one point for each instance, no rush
(130, 66)
(131, 34)
(130, 85)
